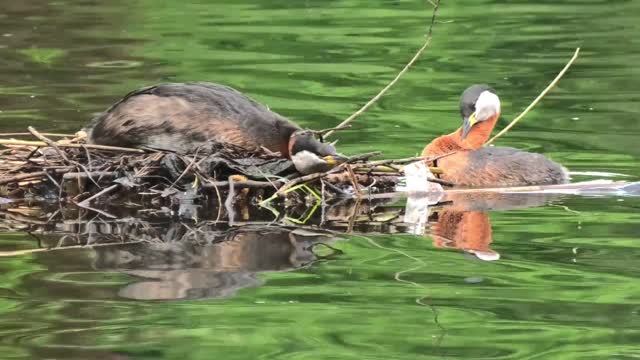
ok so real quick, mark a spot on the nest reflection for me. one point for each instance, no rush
(173, 258)
(205, 262)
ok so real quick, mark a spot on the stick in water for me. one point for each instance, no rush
(542, 94)
(415, 57)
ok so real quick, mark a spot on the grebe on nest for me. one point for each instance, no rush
(182, 117)
(473, 165)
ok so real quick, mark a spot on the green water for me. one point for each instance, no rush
(566, 286)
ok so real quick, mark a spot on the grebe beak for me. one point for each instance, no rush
(467, 124)
(334, 160)
(310, 155)
(486, 107)
(307, 162)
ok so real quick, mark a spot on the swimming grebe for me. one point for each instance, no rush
(476, 166)
(181, 117)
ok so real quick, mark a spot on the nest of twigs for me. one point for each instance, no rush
(71, 171)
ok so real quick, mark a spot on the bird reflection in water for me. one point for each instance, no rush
(209, 263)
(172, 259)
(206, 262)
(461, 220)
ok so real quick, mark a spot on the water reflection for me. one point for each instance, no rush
(206, 262)
(168, 258)
(465, 224)
(317, 62)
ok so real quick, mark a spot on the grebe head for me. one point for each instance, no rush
(310, 155)
(478, 103)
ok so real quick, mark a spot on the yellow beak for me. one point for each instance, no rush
(334, 160)
(472, 119)
(467, 124)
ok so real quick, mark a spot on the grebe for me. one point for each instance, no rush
(181, 117)
(476, 166)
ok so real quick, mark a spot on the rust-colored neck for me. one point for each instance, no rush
(476, 138)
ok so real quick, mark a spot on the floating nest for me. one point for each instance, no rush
(70, 171)
(221, 180)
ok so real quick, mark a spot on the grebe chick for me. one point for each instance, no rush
(476, 166)
(181, 117)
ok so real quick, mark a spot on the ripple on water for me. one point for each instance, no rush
(566, 284)
(115, 64)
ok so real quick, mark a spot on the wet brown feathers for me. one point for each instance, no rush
(181, 117)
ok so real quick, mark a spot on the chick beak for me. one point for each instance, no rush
(334, 160)
(467, 124)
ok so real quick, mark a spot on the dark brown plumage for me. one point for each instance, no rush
(181, 117)
(501, 166)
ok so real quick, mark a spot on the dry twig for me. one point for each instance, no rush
(311, 177)
(32, 175)
(104, 191)
(88, 146)
(29, 134)
(534, 102)
(48, 142)
(415, 57)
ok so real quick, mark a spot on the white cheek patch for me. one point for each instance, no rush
(306, 157)
(487, 106)
(307, 162)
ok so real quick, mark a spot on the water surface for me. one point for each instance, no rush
(565, 286)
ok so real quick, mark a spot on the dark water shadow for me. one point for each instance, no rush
(170, 258)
